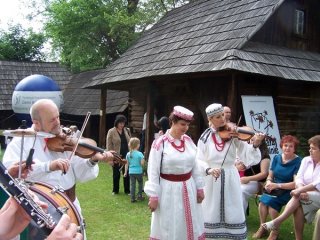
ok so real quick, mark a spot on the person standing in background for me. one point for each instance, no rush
(117, 140)
(227, 113)
(135, 161)
(163, 125)
(144, 126)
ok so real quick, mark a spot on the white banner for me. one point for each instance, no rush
(259, 114)
(23, 100)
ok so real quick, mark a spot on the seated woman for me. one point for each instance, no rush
(305, 199)
(280, 181)
(255, 176)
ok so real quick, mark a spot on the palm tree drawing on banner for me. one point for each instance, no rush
(261, 123)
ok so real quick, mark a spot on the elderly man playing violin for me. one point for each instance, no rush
(222, 206)
(55, 168)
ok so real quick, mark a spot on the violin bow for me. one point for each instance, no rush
(117, 157)
(81, 132)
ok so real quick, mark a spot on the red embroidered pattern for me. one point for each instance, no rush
(219, 146)
(187, 212)
(202, 237)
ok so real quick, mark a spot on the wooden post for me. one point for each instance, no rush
(102, 124)
(149, 134)
(232, 96)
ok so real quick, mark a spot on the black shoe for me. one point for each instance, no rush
(140, 198)
(133, 200)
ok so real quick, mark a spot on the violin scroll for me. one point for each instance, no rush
(118, 159)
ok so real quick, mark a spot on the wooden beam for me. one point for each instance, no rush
(149, 134)
(232, 96)
(102, 123)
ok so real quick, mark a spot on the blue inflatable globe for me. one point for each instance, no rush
(31, 89)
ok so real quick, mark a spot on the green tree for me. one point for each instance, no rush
(92, 34)
(21, 45)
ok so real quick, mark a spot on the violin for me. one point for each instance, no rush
(86, 147)
(230, 130)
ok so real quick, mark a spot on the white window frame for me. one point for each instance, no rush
(299, 22)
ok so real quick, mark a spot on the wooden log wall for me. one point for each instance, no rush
(179, 93)
(279, 30)
(136, 109)
(297, 105)
(298, 108)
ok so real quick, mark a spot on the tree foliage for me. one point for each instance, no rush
(21, 45)
(92, 34)
(89, 34)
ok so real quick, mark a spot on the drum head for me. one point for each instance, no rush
(58, 204)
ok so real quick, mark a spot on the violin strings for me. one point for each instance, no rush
(225, 156)
(81, 132)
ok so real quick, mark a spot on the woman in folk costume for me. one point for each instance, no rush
(175, 185)
(222, 208)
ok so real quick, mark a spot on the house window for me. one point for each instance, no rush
(299, 23)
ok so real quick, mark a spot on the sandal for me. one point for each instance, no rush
(262, 232)
(274, 234)
(269, 226)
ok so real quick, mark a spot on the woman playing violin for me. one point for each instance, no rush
(54, 168)
(222, 207)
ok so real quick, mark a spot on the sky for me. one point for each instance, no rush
(14, 11)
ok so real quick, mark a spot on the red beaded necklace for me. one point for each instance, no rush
(219, 146)
(180, 148)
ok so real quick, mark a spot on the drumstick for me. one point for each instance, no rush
(30, 156)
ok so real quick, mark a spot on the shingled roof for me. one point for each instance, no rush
(210, 35)
(79, 101)
(11, 73)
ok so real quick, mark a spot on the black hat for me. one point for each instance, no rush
(120, 118)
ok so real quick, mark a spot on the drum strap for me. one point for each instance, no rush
(71, 193)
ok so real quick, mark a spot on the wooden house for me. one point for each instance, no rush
(218, 50)
(12, 72)
(77, 101)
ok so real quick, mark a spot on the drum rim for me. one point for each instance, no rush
(64, 196)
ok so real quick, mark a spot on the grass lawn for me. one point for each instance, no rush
(110, 216)
(115, 217)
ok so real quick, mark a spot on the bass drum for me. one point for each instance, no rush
(58, 204)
